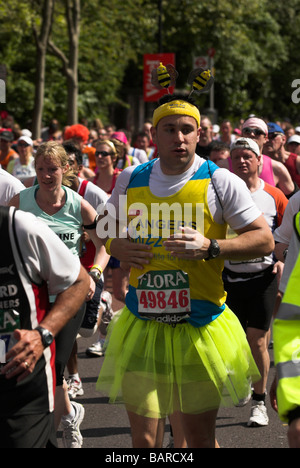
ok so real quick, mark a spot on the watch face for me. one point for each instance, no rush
(48, 338)
(96, 275)
(46, 335)
(214, 249)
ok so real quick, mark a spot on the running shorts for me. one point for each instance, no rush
(253, 300)
(28, 431)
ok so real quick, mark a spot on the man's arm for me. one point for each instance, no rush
(283, 178)
(29, 349)
(252, 241)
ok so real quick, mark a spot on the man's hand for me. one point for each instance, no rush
(188, 245)
(22, 358)
(92, 290)
(135, 255)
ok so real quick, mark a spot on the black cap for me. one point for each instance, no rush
(6, 135)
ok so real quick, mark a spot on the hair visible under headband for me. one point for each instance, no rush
(108, 143)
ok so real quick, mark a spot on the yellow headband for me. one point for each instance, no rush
(175, 108)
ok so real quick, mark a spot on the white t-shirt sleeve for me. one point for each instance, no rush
(46, 256)
(238, 209)
(291, 258)
(9, 187)
(95, 195)
(121, 187)
(284, 232)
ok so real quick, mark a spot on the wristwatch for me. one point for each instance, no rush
(46, 335)
(213, 250)
(96, 275)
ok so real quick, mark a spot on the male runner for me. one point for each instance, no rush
(33, 262)
(176, 347)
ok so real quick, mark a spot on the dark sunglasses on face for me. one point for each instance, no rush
(271, 136)
(103, 154)
(255, 131)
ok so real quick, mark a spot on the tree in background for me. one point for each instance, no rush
(256, 58)
(70, 63)
(41, 37)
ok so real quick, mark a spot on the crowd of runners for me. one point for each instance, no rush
(202, 281)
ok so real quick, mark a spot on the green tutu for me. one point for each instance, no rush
(156, 369)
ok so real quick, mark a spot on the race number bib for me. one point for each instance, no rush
(164, 296)
(9, 322)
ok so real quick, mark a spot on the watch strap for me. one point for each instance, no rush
(43, 332)
(213, 250)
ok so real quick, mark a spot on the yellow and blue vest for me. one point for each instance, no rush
(177, 283)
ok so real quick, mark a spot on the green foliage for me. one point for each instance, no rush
(257, 54)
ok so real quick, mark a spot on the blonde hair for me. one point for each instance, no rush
(120, 147)
(55, 152)
(106, 142)
(114, 148)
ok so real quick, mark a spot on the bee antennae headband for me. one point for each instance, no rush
(201, 80)
(165, 76)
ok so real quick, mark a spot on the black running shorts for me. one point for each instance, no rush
(253, 300)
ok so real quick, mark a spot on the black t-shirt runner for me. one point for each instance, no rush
(23, 305)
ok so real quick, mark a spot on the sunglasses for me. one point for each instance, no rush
(103, 154)
(255, 131)
(273, 135)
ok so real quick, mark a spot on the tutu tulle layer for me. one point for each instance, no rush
(156, 369)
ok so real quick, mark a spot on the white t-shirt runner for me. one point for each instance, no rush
(9, 187)
(272, 202)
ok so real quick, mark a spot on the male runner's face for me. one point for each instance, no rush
(244, 163)
(176, 137)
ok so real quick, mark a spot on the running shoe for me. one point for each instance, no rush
(96, 349)
(259, 416)
(71, 436)
(75, 388)
(107, 314)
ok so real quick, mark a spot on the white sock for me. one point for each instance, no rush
(74, 376)
(71, 415)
